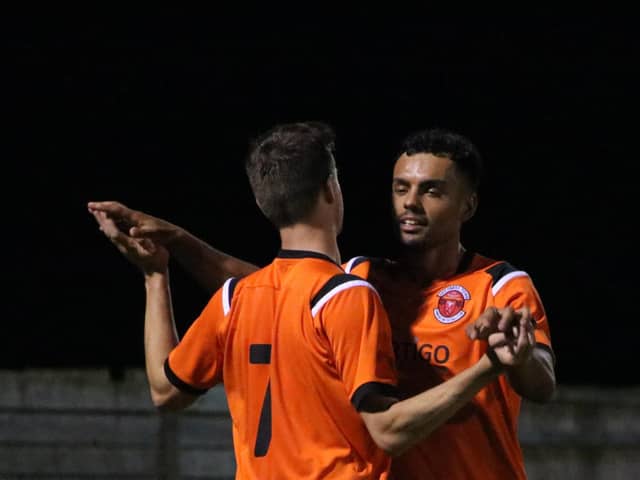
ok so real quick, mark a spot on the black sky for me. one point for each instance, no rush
(156, 110)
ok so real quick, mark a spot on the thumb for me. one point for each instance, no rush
(485, 324)
(148, 245)
(138, 232)
(472, 331)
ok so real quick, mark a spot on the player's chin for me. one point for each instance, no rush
(412, 241)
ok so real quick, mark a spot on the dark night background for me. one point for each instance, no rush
(156, 110)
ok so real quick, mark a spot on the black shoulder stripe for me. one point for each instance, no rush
(179, 383)
(500, 270)
(232, 286)
(354, 262)
(358, 261)
(227, 294)
(332, 283)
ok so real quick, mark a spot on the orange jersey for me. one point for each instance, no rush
(297, 344)
(431, 345)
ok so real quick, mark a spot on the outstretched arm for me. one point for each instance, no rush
(209, 266)
(160, 335)
(397, 425)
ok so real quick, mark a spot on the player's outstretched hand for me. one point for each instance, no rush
(135, 223)
(117, 222)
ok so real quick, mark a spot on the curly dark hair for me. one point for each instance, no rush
(441, 142)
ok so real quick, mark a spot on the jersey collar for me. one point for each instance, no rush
(304, 254)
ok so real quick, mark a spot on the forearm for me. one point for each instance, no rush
(160, 335)
(209, 266)
(409, 421)
(535, 379)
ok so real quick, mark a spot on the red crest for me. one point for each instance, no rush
(451, 303)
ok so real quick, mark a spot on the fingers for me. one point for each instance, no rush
(110, 207)
(124, 217)
(125, 244)
(157, 229)
(514, 350)
(505, 320)
(525, 312)
(494, 320)
(498, 339)
(472, 332)
(136, 224)
(486, 324)
(508, 319)
(527, 325)
(106, 224)
(503, 345)
(116, 221)
(522, 341)
(141, 231)
(527, 339)
(147, 245)
(148, 226)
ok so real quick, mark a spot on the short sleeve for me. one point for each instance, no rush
(519, 291)
(195, 364)
(358, 330)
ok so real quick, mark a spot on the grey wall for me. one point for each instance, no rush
(80, 424)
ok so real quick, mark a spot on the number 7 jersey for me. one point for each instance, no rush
(297, 344)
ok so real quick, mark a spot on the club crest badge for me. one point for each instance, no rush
(451, 303)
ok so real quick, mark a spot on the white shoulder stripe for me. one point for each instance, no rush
(226, 301)
(350, 263)
(502, 282)
(343, 286)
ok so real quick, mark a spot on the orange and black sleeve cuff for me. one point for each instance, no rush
(179, 383)
(368, 388)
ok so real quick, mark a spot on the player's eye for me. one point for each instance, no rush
(433, 192)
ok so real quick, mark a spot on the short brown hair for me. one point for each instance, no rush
(287, 167)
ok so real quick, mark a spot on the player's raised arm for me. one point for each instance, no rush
(160, 335)
(209, 266)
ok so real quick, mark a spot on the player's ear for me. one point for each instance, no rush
(330, 189)
(470, 206)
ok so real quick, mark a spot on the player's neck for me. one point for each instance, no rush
(435, 263)
(311, 238)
